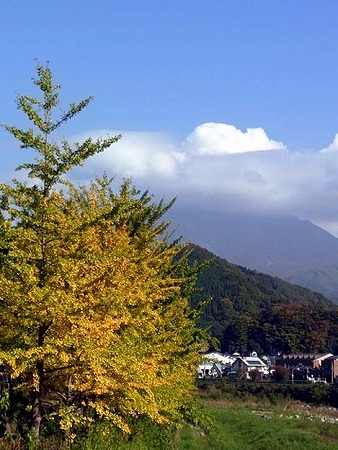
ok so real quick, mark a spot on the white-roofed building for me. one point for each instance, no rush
(219, 358)
(209, 370)
(251, 363)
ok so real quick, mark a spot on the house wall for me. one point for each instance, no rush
(335, 370)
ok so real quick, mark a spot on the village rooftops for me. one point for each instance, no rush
(250, 363)
(307, 355)
(219, 358)
(253, 361)
(306, 359)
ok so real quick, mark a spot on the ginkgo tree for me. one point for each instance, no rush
(94, 300)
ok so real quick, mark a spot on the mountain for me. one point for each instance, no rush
(287, 247)
(246, 289)
(249, 311)
(323, 279)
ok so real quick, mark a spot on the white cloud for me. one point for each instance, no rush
(232, 174)
(137, 154)
(333, 147)
(220, 138)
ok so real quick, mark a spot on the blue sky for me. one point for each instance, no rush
(183, 81)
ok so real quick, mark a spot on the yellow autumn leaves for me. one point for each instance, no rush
(94, 300)
(105, 318)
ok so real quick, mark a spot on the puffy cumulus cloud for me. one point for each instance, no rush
(303, 184)
(220, 138)
(333, 147)
(244, 182)
(137, 154)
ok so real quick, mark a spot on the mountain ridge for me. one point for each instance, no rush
(287, 247)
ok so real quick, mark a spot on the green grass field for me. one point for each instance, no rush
(237, 424)
(249, 425)
(254, 426)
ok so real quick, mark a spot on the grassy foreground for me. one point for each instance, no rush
(236, 424)
(289, 426)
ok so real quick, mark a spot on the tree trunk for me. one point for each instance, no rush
(36, 416)
(10, 427)
(36, 406)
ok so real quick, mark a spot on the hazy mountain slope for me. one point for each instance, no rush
(276, 245)
(287, 247)
(324, 280)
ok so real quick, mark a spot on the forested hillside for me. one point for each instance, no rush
(249, 311)
(295, 250)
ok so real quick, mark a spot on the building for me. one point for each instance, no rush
(209, 370)
(330, 369)
(248, 364)
(302, 360)
(304, 366)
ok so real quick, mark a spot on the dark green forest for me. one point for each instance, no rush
(247, 310)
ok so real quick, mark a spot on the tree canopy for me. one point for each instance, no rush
(94, 303)
(251, 311)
